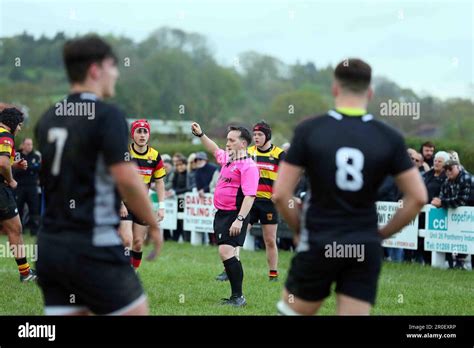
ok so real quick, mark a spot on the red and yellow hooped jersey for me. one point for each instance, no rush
(7, 144)
(267, 163)
(150, 165)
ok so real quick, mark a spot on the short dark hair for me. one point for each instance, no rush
(427, 144)
(80, 53)
(354, 75)
(244, 133)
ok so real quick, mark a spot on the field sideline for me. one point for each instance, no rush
(181, 282)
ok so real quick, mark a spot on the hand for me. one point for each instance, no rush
(123, 211)
(235, 228)
(161, 214)
(13, 184)
(196, 128)
(436, 202)
(20, 164)
(296, 239)
(155, 236)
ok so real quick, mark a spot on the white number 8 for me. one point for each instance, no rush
(344, 169)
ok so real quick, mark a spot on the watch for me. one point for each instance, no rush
(240, 218)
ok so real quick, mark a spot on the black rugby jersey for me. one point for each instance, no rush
(346, 159)
(79, 138)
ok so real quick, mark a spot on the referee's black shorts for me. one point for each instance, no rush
(312, 272)
(223, 220)
(8, 208)
(76, 276)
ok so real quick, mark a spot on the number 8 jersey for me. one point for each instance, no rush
(79, 138)
(346, 156)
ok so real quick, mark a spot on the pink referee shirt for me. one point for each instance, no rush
(236, 180)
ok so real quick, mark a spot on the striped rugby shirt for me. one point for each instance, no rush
(267, 162)
(150, 165)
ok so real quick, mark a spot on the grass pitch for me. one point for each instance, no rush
(181, 282)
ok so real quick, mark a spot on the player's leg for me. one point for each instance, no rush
(356, 284)
(292, 305)
(235, 273)
(269, 237)
(268, 217)
(125, 233)
(139, 233)
(347, 305)
(227, 244)
(12, 227)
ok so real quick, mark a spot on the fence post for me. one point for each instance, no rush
(249, 243)
(196, 238)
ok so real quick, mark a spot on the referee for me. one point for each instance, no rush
(233, 198)
(346, 155)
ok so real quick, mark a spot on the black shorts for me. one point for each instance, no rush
(312, 272)
(8, 208)
(133, 218)
(223, 220)
(263, 211)
(74, 276)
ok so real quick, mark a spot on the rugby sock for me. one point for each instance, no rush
(136, 258)
(273, 273)
(23, 266)
(235, 272)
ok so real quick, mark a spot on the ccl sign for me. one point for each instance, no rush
(438, 219)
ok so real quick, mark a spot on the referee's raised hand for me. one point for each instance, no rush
(196, 129)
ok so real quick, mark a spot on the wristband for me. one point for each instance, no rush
(161, 205)
(199, 135)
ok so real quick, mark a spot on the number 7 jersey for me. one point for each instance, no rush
(346, 159)
(79, 138)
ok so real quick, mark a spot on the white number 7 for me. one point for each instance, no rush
(58, 135)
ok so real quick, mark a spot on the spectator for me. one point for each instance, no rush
(28, 187)
(168, 163)
(457, 190)
(168, 179)
(180, 186)
(427, 150)
(204, 172)
(191, 176)
(417, 160)
(433, 179)
(388, 192)
(203, 176)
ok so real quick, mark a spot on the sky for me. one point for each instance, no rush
(420, 44)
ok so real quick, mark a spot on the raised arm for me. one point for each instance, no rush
(210, 145)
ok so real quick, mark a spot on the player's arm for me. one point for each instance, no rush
(285, 184)
(132, 191)
(210, 145)
(415, 196)
(6, 168)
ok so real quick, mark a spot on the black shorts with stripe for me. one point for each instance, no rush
(75, 275)
(223, 220)
(263, 211)
(8, 208)
(133, 218)
(354, 267)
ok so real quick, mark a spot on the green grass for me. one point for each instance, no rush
(181, 282)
